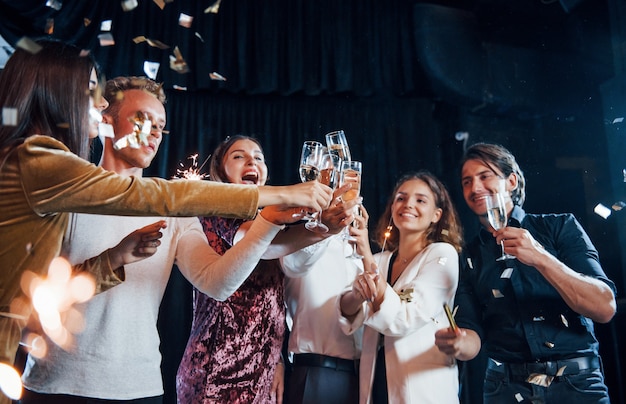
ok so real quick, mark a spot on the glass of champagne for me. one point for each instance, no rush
(496, 215)
(311, 160)
(351, 172)
(338, 145)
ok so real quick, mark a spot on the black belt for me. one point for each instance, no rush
(323, 361)
(551, 368)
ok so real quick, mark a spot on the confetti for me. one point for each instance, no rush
(217, 76)
(496, 293)
(105, 130)
(180, 88)
(506, 274)
(549, 344)
(624, 174)
(28, 45)
(185, 20)
(214, 8)
(199, 36)
(540, 379)
(602, 211)
(619, 205)
(128, 5)
(9, 116)
(539, 318)
(151, 69)
(152, 42)
(106, 25)
(95, 115)
(564, 321)
(49, 30)
(469, 263)
(445, 232)
(106, 39)
(519, 397)
(442, 260)
(86, 21)
(177, 63)
(618, 120)
(139, 136)
(160, 3)
(407, 295)
(55, 4)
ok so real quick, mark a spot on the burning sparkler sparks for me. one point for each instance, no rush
(193, 172)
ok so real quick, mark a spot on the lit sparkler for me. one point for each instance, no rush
(193, 172)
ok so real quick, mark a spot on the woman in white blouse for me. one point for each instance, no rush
(400, 296)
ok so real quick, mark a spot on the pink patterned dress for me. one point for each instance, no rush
(234, 345)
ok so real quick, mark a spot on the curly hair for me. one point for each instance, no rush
(115, 88)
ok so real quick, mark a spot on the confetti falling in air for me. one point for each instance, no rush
(213, 8)
(49, 30)
(185, 20)
(177, 63)
(199, 36)
(128, 5)
(217, 76)
(619, 205)
(106, 25)
(28, 45)
(179, 88)
(55, 4)
(496, 293)
(151, 69)
(602, 211)
(139, 136)
(9, 116)
(506, 274)
(193, 172)
(105, 130)
(152, 42)
(106, 39)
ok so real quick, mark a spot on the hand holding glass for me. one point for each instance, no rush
(310, 165)
(496, 215)
(351, 173)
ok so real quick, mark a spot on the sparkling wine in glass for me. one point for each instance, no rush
(351, 173)
(338, 145)
(496, 215)
(311, 161)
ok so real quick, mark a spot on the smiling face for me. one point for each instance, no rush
(414, 207)
(96, 106)
(145, 104)
(479, 180)
(244, 163)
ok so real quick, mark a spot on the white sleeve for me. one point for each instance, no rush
(220, 276)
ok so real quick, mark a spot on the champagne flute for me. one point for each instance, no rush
(351, 173)
(496, 215)
(310, 165)
(338, 145)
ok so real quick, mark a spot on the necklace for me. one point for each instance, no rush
(404, 261)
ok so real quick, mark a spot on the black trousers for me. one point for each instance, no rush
(316, 380)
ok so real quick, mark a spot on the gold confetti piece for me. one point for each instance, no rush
(560, 371)
(49, 30)
(496, 293)
(177, 63)
(540, 379)
(55, 4)
(602, 211)
(106, 25)
(128, 5)
(9, 116)
(84, 52)
(506, 274)
(160, 3)
(407, 295)
(28, 45)
(63, 125)
(619, 205)
(106, 39)
(549, 344)
(105, 130)
(180, 88)
(86, 21)
(151, 69)
(217, 76)
(185, 20)
(564, 321)
(199, 36)
(214, 8)
(445, 232)
(152, 42)
(519, 397)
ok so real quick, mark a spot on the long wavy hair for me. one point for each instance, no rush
(448, 229)
(49, 90)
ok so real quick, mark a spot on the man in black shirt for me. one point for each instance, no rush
(533, 313)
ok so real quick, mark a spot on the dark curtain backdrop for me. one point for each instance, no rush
(297, 69)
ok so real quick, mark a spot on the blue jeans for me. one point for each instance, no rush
(586, 386)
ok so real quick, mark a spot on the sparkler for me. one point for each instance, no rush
(193, 172)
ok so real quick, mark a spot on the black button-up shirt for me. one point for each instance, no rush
(518, 315)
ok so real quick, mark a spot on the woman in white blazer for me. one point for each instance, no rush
(400, 296)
